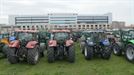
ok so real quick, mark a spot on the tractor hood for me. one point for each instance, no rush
(131, 41)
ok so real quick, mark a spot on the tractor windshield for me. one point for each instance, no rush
(26, 36)
(61, 35)
(131, 33)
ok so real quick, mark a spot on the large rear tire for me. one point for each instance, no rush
(50, 55)
(106, 53)
(33, 56)
(116, 49)
(88, 52)
(4, 50)
(129, 53)
(71, 54)
(11, 56)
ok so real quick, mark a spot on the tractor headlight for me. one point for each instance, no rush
(90, 43)
(88, 38)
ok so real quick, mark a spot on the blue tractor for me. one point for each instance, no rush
(95, 43)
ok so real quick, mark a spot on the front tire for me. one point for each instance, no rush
(11, 56)
(88, 52)
(129, 53)
(117, 50)
(71, 54)
(106, 53)
(33, 56)
(50, 53)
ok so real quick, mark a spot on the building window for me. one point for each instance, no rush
(96, 27)
(24, 28)
(28, 28)
(37, 27)
(91, 26)
(100, 27)
(55, 26)
(33, 28)
(88, 26)
(42, 27)
(108, 26)
(83, 25)
(79, 25)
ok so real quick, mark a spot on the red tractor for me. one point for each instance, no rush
(60, 46)
(24, 47)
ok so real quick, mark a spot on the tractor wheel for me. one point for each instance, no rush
(4, 50)
(33, 56)
(42, 48)
(116, 49)
(50, 53)
(71, 54)
(106, 53)
(129, 53)
(60, 53)
(82, 48)
(11, 56)
(88, 52)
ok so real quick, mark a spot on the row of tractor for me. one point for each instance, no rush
(103, 43)
(31, 45)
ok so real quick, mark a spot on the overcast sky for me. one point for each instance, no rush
(122, 10)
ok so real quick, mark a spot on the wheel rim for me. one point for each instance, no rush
(130, 53)
(85, 51)
(37, 56)
(115, 50)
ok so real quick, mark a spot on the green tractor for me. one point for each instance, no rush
(4, 41)
(95, 43)
(44, 36)
(124, 44)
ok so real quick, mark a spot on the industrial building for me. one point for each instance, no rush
(61, 20)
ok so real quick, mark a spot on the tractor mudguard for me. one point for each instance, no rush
(15, 44)
(52, 43)
(31, 44)
(69, 42)
(5, 41)
(131, 41)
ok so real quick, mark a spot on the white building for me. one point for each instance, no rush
(62, 20)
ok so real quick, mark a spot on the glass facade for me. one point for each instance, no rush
(31, 20)
(63, 18)
(92, 19)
